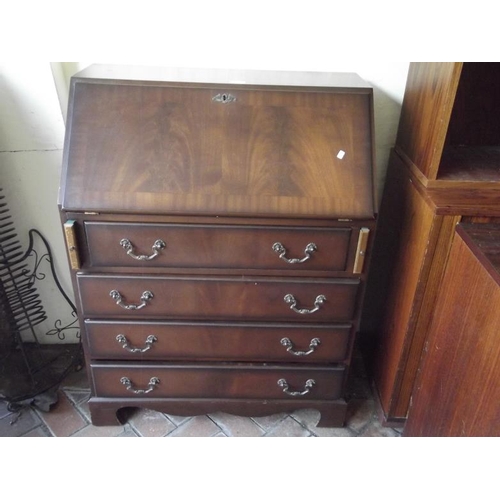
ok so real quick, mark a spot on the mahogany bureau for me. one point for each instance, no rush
(218, 226)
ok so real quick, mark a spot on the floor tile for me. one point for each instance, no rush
(288, 427)
(4, 409)
(269, 421)
(234, 426)
(177, 419)
(23, 423)
(332, 432)
(307, 417)
(200, 426)
(359, 413)
(128, 433)
(40, 431)
(376, 429)
(100, 431)
(149, 423)
(63, 420)
(83, 408)
(77, 396)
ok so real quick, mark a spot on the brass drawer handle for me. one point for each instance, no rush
(157, 246)
(152, 383)
(308, 386)
(145, 298)
(281, 250)
(290, 299)
(150, 340)
(289, 345)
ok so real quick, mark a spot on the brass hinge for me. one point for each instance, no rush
(69, 233)
(359, 261)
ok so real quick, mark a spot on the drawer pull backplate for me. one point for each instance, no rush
(284, 385)
(281, 250)
(290, 299)
(150, 340)
(157, 246)
(145, 298)
(224, 98)
(290, 347)
(128, 384)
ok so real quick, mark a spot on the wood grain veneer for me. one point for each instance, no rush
(219, 341)
(218, 297)
(425, 113)
(218, 381)
(457, 391)
(415, 227)
(219, 247)
(219, 165)
(171, 149)
(444, 170)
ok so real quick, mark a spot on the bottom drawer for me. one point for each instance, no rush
(217, 381)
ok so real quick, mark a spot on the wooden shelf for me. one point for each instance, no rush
(470, 164)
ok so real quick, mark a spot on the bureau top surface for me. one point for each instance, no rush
(218, 142)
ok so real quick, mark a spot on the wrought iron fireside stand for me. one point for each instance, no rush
(31, 367)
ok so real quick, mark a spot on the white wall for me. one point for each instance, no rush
(31, 142)
(33, 102)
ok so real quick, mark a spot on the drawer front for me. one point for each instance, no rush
(210, 246)
(217, 381)
(216, 298)
(170, 341)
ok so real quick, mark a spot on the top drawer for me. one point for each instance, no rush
(210, 246)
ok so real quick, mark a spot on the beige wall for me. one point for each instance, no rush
(31, 142)
(33, 102)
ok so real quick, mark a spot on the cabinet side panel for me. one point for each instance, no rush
(426, 110)
(413, 220)
(457, 391)
(444, 231)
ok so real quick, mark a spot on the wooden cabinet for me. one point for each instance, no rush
(444, 169)
(457, 391)
(219, 235)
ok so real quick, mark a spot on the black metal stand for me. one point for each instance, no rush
(31, 363)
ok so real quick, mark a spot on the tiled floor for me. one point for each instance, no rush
(69, 417)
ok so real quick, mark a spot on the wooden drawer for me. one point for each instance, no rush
(217, 298)
(170, 341)
(211, 246)
(216, 381)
